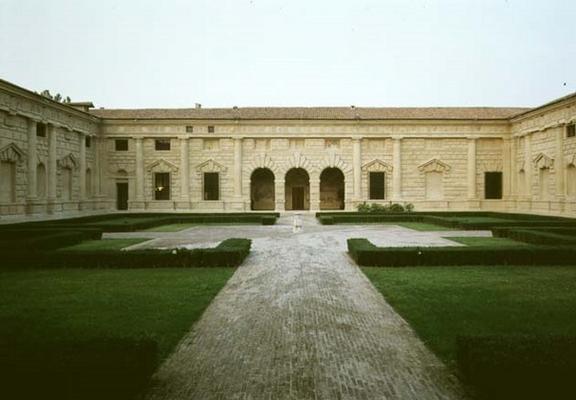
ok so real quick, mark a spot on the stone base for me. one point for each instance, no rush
(235, 205)
(183, 205)
(136, 205)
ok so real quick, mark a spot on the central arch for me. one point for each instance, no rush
(262, 189)
(297, 189)
(332, 189)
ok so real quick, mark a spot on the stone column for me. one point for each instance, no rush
(238, 168)
(559, 166)
(513, 168)
(279, 195)
(506, 168)
(32, 161)
(314, 192)
(52, 166)
(357, 165)
(471, 169)
(96, 185)
(184, 170)
(528, 168)
(82, 180)
(139, 182)
(397, 169)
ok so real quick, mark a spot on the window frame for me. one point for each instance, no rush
(370, 197)
(160, 194)
(162, 142)
(205, 195)
(498, 194)
(571, 130)
(118, 141)
(41, 130)
(211, 129)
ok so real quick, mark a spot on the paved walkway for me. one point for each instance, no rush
(299, 321)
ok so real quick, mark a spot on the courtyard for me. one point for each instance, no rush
(297, 319)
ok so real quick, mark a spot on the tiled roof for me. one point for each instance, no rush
(314, 113)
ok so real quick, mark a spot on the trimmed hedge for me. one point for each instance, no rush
(95, 369)
(134, 222)
(229, 253)
(37, 240)
(518, 367)
(552, 237)
(366, 254)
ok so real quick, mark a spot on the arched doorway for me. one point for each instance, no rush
(262, 189)
(332, 189)
(297, 189)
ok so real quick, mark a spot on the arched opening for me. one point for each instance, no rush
(88, 183)
(262, 189)
(297, 189)
(121, 190)
(41, 181)
(331, 189)
(571, 180)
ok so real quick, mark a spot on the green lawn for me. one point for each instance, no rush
(78, 304)
(488, 241)
(442, 303)
(170, 227)
(104, 244)
(423, 226)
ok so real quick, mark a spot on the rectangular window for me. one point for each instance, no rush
(493, 185)
(40, 130)
(211, 186)
(162, 144)
(88, 141)
(121, 144)
(377, 185)
(571, 130)
(189, 129)
(162, 186)
(210, 129)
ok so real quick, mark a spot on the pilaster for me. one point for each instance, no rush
(357, 166)
(397, 168)
(32, 161)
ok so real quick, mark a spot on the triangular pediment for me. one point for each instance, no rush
(543, 161)
(210, 166)
(11, 153)
(434, 165)
(377, 166)
(68, 161)
(162, 165)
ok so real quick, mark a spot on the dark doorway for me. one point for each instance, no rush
(297, 189)
(493, 185)
(122, 195)
(331, 189)
(297, 198)
(262, 189)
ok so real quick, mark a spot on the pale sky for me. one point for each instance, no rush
(221, 53)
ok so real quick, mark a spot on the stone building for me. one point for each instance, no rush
(57, 158)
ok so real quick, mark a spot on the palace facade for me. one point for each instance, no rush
(64, 158)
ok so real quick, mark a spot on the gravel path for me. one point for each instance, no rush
(299, 321)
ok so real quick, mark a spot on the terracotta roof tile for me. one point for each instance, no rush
(313, 113)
